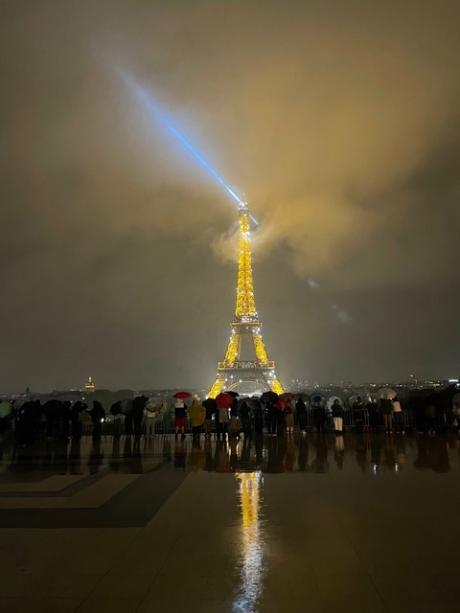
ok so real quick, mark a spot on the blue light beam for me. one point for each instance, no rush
(154, 109)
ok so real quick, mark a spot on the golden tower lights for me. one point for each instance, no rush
(232, 371)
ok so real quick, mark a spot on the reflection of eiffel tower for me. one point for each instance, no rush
(237, 371)
(251, 542)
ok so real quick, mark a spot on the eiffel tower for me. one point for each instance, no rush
(237, 371)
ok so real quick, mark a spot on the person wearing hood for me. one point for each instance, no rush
(75, 418)
(211, 410)
(258, 415)
(97, 417)
(234, 423)
(301, 413)
(52, 409)
(127, 407)
(197, 414)
(64, 420)
(319, 414)
(271, 416)
(24, 422)
(139, 403)
(245, 417)
(117, 418)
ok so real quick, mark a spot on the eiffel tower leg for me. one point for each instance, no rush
(276, 386)
(216, 387)
(233, 348)
(261, 353)
(231, 354)
(259, 348)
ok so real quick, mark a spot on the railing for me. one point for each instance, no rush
(353, 421)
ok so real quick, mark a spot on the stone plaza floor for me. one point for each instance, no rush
(362, 523)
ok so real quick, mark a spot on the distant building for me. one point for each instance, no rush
(89, 385)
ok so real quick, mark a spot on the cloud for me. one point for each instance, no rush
(322, 122)
(338, 121)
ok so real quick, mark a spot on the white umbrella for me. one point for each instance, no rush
(331, 400)
(386, 393)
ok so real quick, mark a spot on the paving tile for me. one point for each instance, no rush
(323, 543)
(38, 605)
(114, 604)
(11, 605)
(55, 605)
(16, 583)
(90, 497)
(71, 584)
(53, 483)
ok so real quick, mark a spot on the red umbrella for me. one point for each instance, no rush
(280, 403)
(224, 400)
(286, 396)
(182, 395)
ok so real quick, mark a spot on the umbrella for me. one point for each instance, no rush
(254, 402)
(5, 408)
(210, 404)
(387, 393)
(116, 408)
(364, 398)
(281, 403)
(317, 398)
(269, 397)
(286, 398)
(126, 405)
(182, 395)
(331, 400)
(234, 394)
(224, 400)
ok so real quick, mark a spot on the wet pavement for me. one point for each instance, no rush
(353, 523)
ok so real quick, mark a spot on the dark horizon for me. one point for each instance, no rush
(294, 387)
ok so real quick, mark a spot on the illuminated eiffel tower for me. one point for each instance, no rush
(237, 371)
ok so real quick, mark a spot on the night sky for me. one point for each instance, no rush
(340, 123)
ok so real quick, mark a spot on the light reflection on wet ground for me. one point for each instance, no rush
(360, 522)
(366, 453)
(251, 563)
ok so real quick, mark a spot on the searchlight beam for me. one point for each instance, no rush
(154, 109)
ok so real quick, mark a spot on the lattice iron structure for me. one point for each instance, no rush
(232, 372)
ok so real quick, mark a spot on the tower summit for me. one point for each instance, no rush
(246, 365)
(258, 372)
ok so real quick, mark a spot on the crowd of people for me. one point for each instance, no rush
(62, 419)
(227, 416)
(280, 415)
